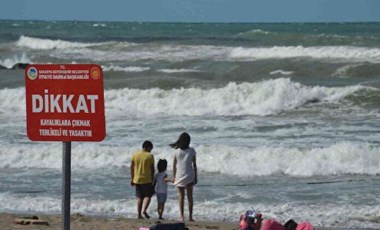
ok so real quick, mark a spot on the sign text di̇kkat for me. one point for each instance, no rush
(65, 102)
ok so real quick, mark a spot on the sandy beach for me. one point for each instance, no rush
(82, 222)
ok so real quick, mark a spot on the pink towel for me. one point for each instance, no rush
(305, 226)
(271, 224)
(144, 229)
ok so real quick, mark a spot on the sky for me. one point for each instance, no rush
(194, 10)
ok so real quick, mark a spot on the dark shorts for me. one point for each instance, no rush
(161, 197)
(144, 190)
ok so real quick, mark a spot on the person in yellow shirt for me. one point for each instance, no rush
(142, 174)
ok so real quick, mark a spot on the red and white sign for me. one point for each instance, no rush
(65, 102)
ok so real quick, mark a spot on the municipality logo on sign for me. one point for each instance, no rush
(32, 73)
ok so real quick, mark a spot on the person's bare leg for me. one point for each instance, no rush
(160, 210)
(190, 201)
(181, 197)
(139, 208)
(146, 203)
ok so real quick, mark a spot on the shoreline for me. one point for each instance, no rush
(87, 222)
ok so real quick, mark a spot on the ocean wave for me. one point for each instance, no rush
(99, 25)
(331, 36)
(343, 158)
(254, 32)
(338, 159)
(9, 62)
(176, 53)
(344, 215)
(125, 69)
(264, 98)
(281, 72)
(343, 71)
(178, 70)
(46, 44)
(330, 53)
(12, 101)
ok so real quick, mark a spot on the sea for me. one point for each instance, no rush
(284, 117)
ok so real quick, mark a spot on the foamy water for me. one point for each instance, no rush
(67, 49)
(285, 122)
(337, 159)
(48, 44)
(262, 98)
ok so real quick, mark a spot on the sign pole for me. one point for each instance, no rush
(66, 185)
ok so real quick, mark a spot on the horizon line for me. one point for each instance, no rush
(192, 22)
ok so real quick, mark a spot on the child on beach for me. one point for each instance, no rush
(161, 187)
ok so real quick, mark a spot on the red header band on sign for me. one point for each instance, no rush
(65, 102)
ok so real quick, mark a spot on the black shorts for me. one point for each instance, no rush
(144, 190)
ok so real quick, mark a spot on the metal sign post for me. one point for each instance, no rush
(66, 185)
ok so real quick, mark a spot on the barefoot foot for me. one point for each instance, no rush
(146, 215)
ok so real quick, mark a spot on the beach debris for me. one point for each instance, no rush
(30, 220)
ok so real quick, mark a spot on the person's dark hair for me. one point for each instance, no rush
(183, 141)
(290, 225)
(162, 165)
(147, 145)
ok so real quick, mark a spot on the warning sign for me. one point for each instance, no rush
(65, 102)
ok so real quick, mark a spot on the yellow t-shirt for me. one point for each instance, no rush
(143, 162)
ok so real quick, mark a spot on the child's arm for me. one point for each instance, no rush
(167, 179)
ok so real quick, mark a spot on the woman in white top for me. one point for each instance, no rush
(185, 172)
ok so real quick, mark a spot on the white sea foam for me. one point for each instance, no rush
(46, 44)
(172, 53)
(343, 71)
(12, 101)
(281, 72)
(9, 62)
(99, 25)
(253, 32)
(262, 98)
(177, 53)
(331, 36)
(126, 69)
(338, 159)
(178, 70)
(330, 53)
(323, 214)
